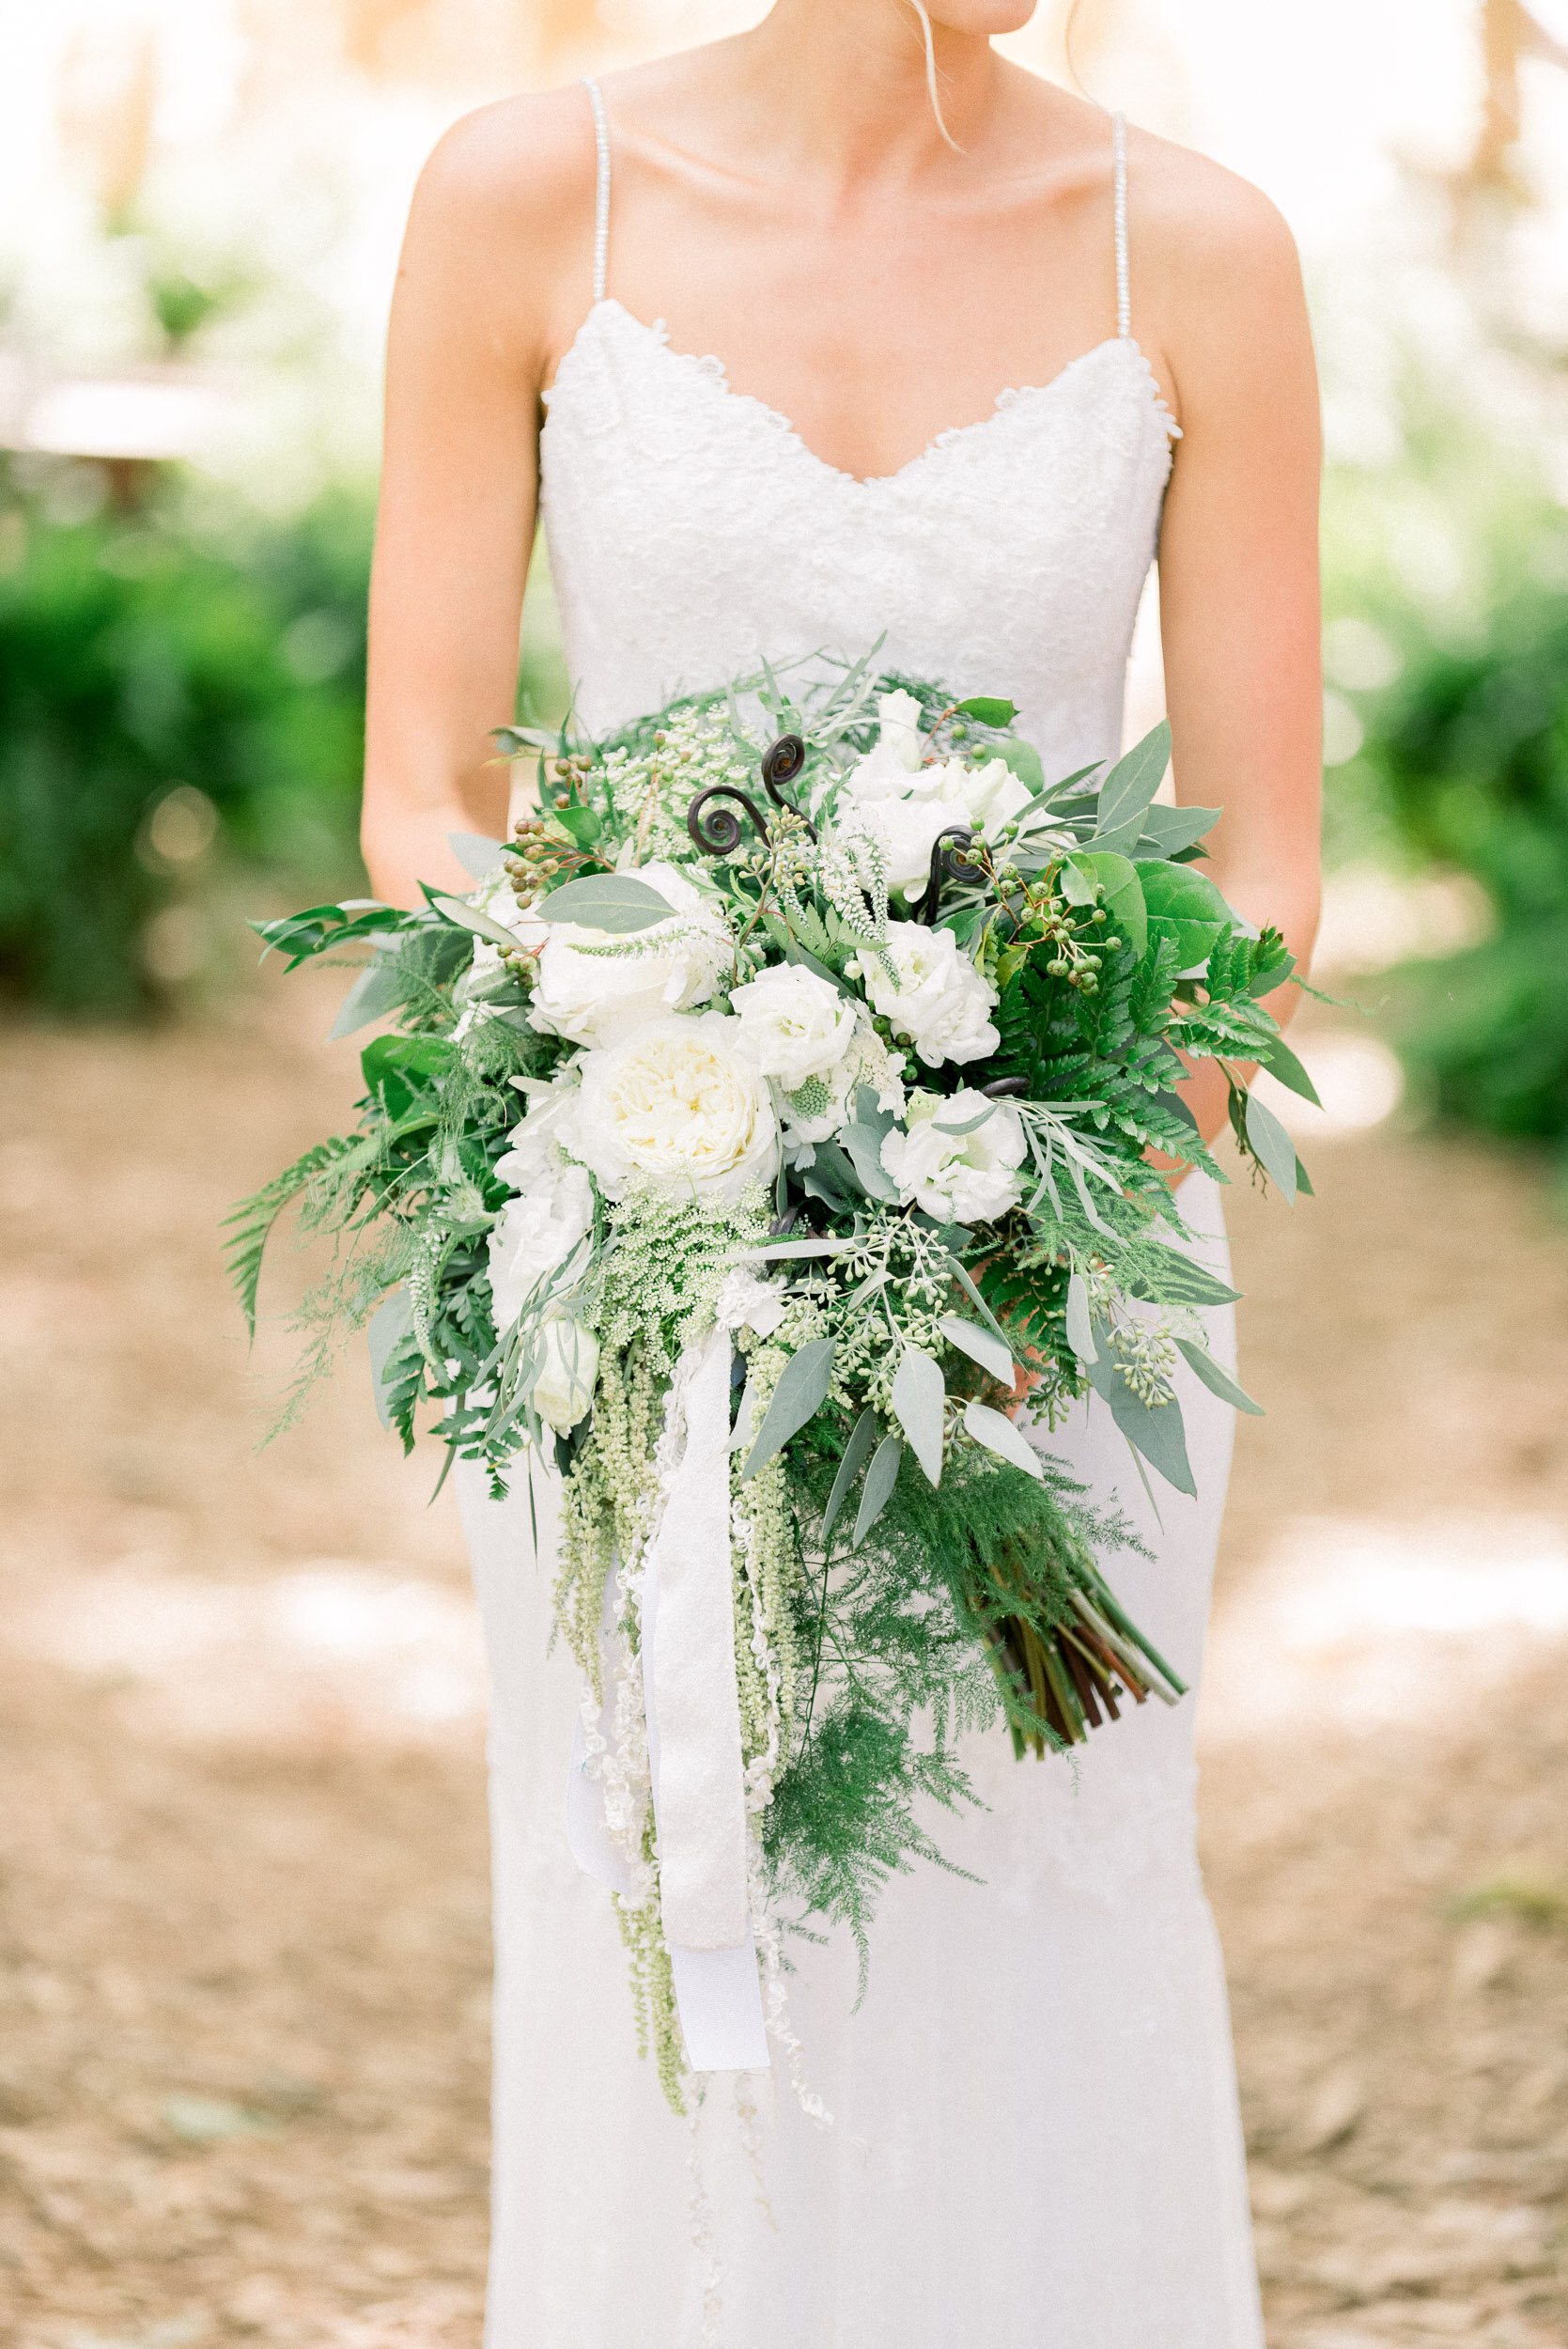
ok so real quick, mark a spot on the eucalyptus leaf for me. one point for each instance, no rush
(978, 1346)
(374, 993)
(1129, 788)
(1273, 1145)
(1075, 883)
(469, 918)
(1169, 830)
(1218, 1381)
(996, 1432)
(866, 1152)
(475, 853)
(1282, 1064)
(801, 1390)
(857, 1451)
(1156, 1431)
(919, 1400)
(616, 902)
(880, 1478)
(1121, 896)
(1081, 1330)
(969, 1126)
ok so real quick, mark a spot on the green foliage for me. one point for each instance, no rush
(1449, 641)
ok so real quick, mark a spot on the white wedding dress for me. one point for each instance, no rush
(1035, 2139)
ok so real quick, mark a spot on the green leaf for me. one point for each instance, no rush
(965, 1126)
(389, 1326)
(1179, 1281)
(1272, 1146)
(475, 853)
(1169, 830)
(988, 712)
(470, 918)
(1218, 1381)
(1282, 1063)
(801, 1390)
(1156, 1432)
(865, 1150)
(996, 1432)
(1122, 898)
(251, 1222)
(978, 1346)
(1183, 905)
(1024, 760)
(374, 993)
(919, 1398)
(1081, 1330)
(856, 1454)
(880, 1478)
(616, 902)
(1129, 788)
(580, 824)
(1075, 883)
(1303, 1186)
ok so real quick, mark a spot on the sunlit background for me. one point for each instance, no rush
(243, 1953)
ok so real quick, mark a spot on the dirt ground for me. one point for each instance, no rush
(243, 1952)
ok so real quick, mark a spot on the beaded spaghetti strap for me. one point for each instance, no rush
(1124, 299)
(601, 186)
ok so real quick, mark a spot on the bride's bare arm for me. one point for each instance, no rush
(1238, 574)
(496, 255)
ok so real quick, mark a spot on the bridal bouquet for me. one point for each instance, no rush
(770, 1121)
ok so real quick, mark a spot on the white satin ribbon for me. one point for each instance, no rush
(693, 1719)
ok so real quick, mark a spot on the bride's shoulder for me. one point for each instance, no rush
(524, 163)
(1205, 242)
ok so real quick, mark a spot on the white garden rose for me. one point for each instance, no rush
(992, 796)
(553, 1211)
(794, 1024)
(563, 1390)
(598, 997)
(681, 1104)
(957, 1177)
(939, 1001)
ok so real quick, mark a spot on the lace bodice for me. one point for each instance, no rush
(692, 534)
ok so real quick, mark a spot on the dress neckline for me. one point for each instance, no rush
(712, 371)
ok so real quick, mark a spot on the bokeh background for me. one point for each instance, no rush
(243, 1956)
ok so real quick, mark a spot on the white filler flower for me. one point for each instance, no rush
(681, 1104)
(563, 1390)
(597, 999)
(794, 1024)
(941, 1001)
(957, 1177)
(538, 1230)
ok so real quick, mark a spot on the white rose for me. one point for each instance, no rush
(599, 999)
(538, 1230)
(681, 1104)
(909, 830)
(563, 1390)
(941, 1001)
(959, 1178)
(794, 1024)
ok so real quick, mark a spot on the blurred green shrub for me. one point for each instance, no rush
(181, 691)
(1447, 655)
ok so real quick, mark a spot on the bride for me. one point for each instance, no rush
(977, 351)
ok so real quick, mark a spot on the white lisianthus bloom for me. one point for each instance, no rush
(941, 1001)
(992, 796)
(909, 830)
(553, 1212)
(563, 1390)
(597, 999)
(746, 1302)
(794, 1024)
(957, 1179)
(681, 1104)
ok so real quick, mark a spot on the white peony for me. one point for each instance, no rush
(681, 1104)
(941, 1001)
(563, 1390)
(794, 1024)
(553, 1213)
(959, 1178)
(599, 999)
